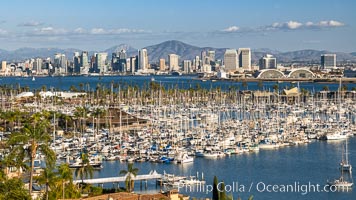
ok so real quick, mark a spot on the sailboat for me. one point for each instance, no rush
(345, 163)
(33, 78)
(343, 184)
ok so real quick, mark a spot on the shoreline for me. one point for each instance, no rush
(281, 80)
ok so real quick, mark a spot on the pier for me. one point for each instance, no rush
(152, 175)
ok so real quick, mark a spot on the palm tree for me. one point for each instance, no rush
(33, 138)
(65, 176)
(131, 171)
(81, 115)
(97, 113)
(16, 159)
(47, 177)
(85, 170)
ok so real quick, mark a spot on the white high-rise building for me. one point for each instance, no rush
(231, 60)
(37, 65)
(3, 66)
(196, 63)
(268, 62)
(173, 62)
(60, 63)
(245, 58)
(211, 55)
(84, 62)
(143, 59)
(100, 61)
(328, 61)
(162, 64)
(133, 64)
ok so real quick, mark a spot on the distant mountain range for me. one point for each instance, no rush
(185, 51)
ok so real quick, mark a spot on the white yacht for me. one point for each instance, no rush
(336, 136)
(341, 184)
(184, 158)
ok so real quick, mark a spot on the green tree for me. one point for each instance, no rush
(222, 193)
(344, 88)
(73, 88)
(244, 84)
(260, 84)
(215, 189)
(13, 189)
(275, 87)
(131, 171)
(85, 170)
(64, 186)
(33, 137)
(48, 178)
(325, 88)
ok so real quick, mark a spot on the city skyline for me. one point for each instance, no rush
(279, 25)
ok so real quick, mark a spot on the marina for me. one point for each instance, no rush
(179, 131)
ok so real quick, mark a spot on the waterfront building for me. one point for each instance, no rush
(3, 66)
(84, 62)
(196, 63)
(204, 58)
(328, 61)
(128, 65)
(173, 62)
(118, 61)
(211, 55)
(143, 60)
(60, 63)
(114, 62)
(187, 66)
(268, 61)
(84, 59)
(37, 66)
(162, 64)
(76, 63)
(245, 58)
(133, 64)
(100, 62)
(231, 60)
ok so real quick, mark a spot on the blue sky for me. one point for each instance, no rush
(97, 25)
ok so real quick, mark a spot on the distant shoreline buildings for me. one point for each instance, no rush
(235, 63)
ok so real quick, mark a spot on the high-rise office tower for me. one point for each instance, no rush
(268, 62)
(211, 55)
(122, 61)
(187, 65)
(230, 60)
(173, 62)
(3, 66)
(84, 59)
(84, 62)
(162, 64)
(328, 61)
(143, 59)
(196, 64)
(60, 63)
(128, 65)
(134, 64)
(37, 65)
(100, 62)
(203, 58)
(245, 58)
(76, 62)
